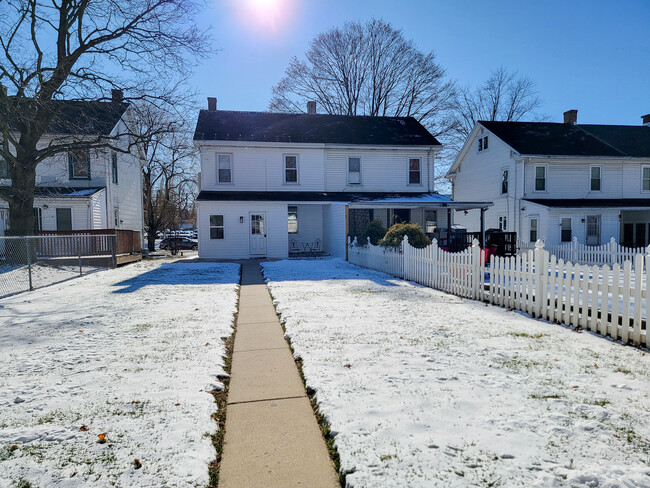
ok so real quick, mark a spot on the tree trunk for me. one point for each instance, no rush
(21, 203)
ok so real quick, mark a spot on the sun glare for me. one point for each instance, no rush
(265, 16)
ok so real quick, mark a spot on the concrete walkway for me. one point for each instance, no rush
(272, 437)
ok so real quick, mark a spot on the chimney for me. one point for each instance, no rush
(646, 120)
(311, 107)
(117, 96)
(571, 117)
(212, 104)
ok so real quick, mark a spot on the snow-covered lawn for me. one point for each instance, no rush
(425, 389)
(130, 352)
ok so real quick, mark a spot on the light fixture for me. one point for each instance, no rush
(241, 219)
(45, 206)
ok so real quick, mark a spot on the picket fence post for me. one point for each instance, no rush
(540, 268)
(405, 246)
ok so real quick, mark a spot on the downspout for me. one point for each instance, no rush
(429, 170)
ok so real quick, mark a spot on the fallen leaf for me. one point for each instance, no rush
(347, 365)
(595, 365)
(134, 402)
(102, 437)
(137, 463)
(207, 343)
(14, 447)
(83, 428)
(125, 369)
(81, 331)
(574, 387)
(176, 404)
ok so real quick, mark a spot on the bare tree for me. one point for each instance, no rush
(505, 96)
(368, 69)
(168, 169)
(79, 50)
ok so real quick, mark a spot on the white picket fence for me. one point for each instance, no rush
(610, 253)
(608, 300)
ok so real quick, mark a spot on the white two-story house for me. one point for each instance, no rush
(87, 189)
(557, 181)
(274, 183)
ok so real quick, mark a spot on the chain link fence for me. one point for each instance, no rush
(28, 263)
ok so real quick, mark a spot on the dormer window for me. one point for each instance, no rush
(224, 168)
(79, 164)
(290, 169)
(482, 143)
(354, 170)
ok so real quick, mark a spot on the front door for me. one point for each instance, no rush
(593, 230)
(258, 234)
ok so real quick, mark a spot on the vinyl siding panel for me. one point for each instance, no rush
(235, 244)
(334, 229)
(310, 224)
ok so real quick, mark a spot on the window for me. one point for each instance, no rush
(293, 219)
(503, 222)
(216, 227)
(63, 219)
(415, 173)
(291, 169)
(224, 168)
(38, 219)
(116, 218)
(354, 171)
(533, 229)
(430, 221)
(565, 226)
(645, 176)
(114, 167)
(79, 163)
(504, 181)
(540, 178)
(4, 168)
(595, 178)
(482, 143)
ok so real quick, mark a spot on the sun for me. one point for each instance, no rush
(265, 16)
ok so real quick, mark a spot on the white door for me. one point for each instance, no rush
(258, 234)
(593, 230)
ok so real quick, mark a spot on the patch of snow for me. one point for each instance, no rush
(129, 353)
(427, 389)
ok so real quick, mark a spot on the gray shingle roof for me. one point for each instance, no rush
(555, 139)
(226, 125)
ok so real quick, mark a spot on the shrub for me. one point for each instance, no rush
(375, 230)
(395, 236)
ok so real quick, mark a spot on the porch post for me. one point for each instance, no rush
(448, 221)
(483, 228)
(347, 229)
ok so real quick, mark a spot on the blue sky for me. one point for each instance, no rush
(593, 55)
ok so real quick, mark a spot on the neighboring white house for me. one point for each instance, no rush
(273, 183)
(90, 189)
(555, 181)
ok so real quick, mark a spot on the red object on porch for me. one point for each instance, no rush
(488, 253)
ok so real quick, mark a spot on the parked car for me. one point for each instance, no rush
(178, 244)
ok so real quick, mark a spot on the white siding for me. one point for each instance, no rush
(81, 212)
(381, 170)
(310, 224)
(479, 179)
(334, 229)
(126, 195)
(235, 244)
(98, 209)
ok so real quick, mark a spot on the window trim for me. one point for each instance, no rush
(116, 218)
(408, 171)
(643, 167)
(545, 166)
(38, 219)
(71, 175)
(562, 217)
(483, 144)
(222, 227)
(284, 169)
(530, 228)
(232, 168)
(114, 177)
(289, 207)
(502, 222)
(600, 178)
(360, 158)
(506, 181)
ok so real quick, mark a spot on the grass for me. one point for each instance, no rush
(553, 396)
(221, 399)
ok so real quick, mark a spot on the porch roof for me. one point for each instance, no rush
(591, 202)
(355, 199)
(65, 192)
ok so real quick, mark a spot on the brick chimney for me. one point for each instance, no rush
(117, 95)
(571, 117)
(311, 107)
(646, 120)
(212, 104)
